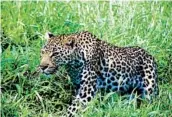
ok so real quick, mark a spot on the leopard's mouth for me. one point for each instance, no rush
(49, 70)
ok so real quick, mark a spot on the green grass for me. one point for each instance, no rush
(23, 24)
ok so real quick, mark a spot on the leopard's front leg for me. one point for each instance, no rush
(86, 91)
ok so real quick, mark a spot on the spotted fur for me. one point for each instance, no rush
(99, 66)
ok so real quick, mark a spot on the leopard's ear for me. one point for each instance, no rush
(69, 42)
(48, 35)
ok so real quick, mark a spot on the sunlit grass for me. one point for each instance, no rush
(23, 24)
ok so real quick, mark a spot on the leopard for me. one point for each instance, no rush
(99, 65)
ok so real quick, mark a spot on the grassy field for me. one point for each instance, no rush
(23, 24)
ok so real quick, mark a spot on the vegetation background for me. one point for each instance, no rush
(23, 24)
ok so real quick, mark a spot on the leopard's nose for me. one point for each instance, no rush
(43, 67)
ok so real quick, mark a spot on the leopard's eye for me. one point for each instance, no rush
(42, 51)
(54, 54)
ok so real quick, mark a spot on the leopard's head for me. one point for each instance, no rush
(58, 51)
